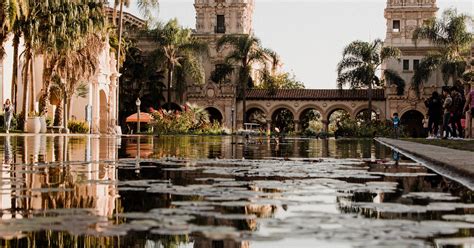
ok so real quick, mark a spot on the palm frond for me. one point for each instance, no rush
(392, 77)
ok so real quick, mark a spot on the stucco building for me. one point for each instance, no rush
(101, 99)
(215, 18)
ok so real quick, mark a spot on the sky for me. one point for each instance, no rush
(309, 35)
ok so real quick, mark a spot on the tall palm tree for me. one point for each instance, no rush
(146, 7)
(246, 52)
(360, 64)
(452, 40)
(65, 29)
(12, 10)
(178, 53)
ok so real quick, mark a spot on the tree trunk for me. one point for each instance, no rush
(65, 119)
(16, 43)
(32, 85)
(44, 100)
(369, 92)
(58, 115)
(120, 31)
(25, 89)
(170, 81)
(244, 99)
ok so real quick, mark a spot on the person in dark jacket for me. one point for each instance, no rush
(434, 105)
(456, 113)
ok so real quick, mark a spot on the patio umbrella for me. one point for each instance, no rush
(144, 118)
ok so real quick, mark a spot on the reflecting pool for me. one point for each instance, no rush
(224, 192)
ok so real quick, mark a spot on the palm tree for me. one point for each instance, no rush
(246, 52)
(178, 53)
(359, 65)
(12, 11)
(145, 6)
(452, 40)
(66, 28)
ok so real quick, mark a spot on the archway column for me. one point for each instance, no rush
(297, 125)
(269, 127)
(95, 108)
(325, 125)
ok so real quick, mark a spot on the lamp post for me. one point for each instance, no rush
(232, 120)
(138, 103)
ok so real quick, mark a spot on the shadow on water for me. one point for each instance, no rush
(193, 191)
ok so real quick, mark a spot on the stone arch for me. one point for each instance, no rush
(104, 112)
(364, 107)
(256, 114)
(215, 115)
(412, 122)
(283, 106)
(303, 108)
(305, 117)
(335, 108)
(283, 119)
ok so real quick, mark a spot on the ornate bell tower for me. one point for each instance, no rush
(214, 19)
(224, 16)
(403, 17)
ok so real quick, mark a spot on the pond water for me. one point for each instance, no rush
(224, 192)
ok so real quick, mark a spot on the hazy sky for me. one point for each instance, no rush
(309, 35)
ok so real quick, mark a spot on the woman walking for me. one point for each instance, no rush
(8, 114)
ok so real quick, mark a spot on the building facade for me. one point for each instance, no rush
(98, 108)
(214, 19)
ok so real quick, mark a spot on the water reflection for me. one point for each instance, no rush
(195, 191)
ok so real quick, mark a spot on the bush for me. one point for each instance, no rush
(78, 127)
(193, 120)
(353, 128)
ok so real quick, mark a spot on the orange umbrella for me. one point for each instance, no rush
(144, 118)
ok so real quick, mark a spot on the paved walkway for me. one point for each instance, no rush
(460, 162)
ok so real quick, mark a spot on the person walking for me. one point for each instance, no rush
(434, 105)
(469, 106)
(456, 113)
(8, 114)
(448, 102)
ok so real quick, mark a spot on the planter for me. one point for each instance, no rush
(44, 126)
(33, 124)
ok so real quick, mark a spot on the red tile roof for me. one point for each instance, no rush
(310, 94)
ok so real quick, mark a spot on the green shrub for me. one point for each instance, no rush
(78, 127)
(354, 128)
(192, 120)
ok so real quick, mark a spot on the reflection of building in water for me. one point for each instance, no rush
(60, 172)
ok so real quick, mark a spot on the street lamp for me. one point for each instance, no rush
(232, 120)
(138, 103)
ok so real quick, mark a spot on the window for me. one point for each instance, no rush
(396, 26)
(220, 28)
(406, 64)
(416, 63)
